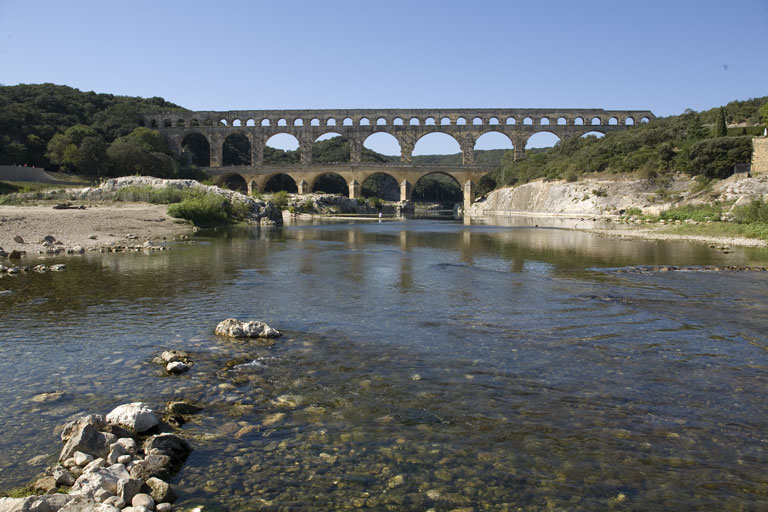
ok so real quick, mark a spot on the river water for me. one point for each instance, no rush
(424, 365)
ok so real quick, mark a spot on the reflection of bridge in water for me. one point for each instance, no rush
(202, 135)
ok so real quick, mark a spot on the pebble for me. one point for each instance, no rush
(143, 500)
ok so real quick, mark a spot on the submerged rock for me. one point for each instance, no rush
(236, 329)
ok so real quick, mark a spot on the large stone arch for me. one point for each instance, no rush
(437, 187)
(196, 149)
(280, 181)
(330, 183)
(236, 149)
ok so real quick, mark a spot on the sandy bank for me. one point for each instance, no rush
(94, 227)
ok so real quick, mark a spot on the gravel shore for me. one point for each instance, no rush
(93, 227)
(651, 234)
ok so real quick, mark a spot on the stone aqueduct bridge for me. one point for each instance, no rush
(407, 126)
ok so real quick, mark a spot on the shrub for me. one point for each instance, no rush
(754, 212)
(699, 212)
(280, 199)
(716, 157)
(208, 209)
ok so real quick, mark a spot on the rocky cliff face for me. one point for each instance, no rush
(598, 197)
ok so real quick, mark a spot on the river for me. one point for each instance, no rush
(424, 365)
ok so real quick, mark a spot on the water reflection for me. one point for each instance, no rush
(425, 365)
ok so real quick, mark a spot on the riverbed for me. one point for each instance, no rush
(424, 365)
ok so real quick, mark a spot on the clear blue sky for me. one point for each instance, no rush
(665, 56)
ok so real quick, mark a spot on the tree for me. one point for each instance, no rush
(93, 157)
(720, 129)
(143, 151)
(716, 157)
(764, 113)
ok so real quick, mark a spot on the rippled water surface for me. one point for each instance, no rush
(425, 365)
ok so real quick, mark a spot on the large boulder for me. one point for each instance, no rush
(48, 503)
(95, 420)
(168, 444)
(153, 465)
(136, 416)
(236, 329)
(89, 441)
(109, 478)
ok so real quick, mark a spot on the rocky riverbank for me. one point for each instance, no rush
(596, 197)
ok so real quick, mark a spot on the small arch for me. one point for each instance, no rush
(223, 122)
(630, 121)
(180, 123)
(282, 122)
(461, 121)
(364, 121)
(381, 185)
(528, 121)
(511, 120)
(398, 121)
(236, 150)
(298, 122)
(381, 122)
(613, 121)
(645, 120)
(493, 120)
(153, 123)
(250, 122)
(445, 121)
(561, 121)
(236, 182)
(208, 122)
(167, 123)
(280, 182)
(237, 122)
(437, 187)
(347, 121)
(596, 121)
(430, 121)
(330, 122)
(330, 183)
(265, 122)
(414, 121)
(544, 121)
(194, 122)
(579, 121)
(476, 121)
(314, 122)
(141, 122)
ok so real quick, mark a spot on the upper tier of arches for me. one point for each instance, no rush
(380, 119)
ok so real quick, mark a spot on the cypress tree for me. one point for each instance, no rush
(720, 129)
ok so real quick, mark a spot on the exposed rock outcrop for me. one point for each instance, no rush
(236, 329)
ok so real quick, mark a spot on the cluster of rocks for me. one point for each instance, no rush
(146, 246)
(236, 329)
(704, 268)
(19, 269)
(174, 361)
(120, 462)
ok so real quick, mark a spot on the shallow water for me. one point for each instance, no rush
(425, 364)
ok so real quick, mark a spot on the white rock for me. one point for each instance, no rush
(90, 484)
(125, 459)
(94, 464)
(115, 501)
(143, 500)
(237, 329)
(163, 507)
(81, 459)
(136, 416)
(176, 367)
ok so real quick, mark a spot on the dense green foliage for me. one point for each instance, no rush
(31, 115)
(737, 112)
(750, 221)
(754, 212)
(698, 212)
(206, 209)
(673, 144)
(721, 130)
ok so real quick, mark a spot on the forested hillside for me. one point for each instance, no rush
(684, 143)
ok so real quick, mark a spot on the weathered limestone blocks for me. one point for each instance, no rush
(236, 329)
